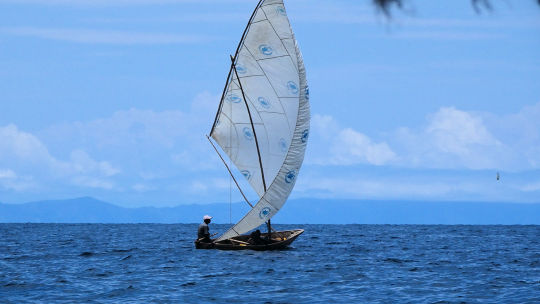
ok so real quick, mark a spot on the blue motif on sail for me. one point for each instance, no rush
(264, 102)
(241, 69)
(291, 175)
(246, 174)
(264, 213)
(248, 133)
(305, 136)
(270, 70)
(265, 49)
(293, 88)
(234, 98)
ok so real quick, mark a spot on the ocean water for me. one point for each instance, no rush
(147, 263)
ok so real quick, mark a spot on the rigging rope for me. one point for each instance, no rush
(230, 177)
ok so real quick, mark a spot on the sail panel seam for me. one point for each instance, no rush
(269, 82)
(280, 39)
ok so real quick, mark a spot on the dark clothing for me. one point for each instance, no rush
(255, 238)
(203, 233)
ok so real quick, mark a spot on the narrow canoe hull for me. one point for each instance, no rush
(280, 240)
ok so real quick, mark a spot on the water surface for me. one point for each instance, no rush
(142, 263)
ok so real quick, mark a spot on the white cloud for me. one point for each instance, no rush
(466, 149)
(201, 16)
(25, 153)
(345, 146)
(413, 184)
(352, 147)
(356, 187)
(155, 149)
(11, 181)
(15, 144)
(332, 12)
(92, 182)
(82, 163)
(531, 187)
(167, 150)
(106, 3)
(198, 186)
(137, 129)
(105, 36)
(139, 187)
(450, 139)
(449, 35)
(455, 131)
(7, 174)
(521, 133)
(324, 126)
(18, 184)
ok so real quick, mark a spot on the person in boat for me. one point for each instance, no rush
(256, 239)
(203, 233)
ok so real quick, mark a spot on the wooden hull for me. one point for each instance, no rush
(279, 239)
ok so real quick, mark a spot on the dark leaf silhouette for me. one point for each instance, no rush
(386, 6)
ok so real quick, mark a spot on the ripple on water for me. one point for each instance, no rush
(369, 264)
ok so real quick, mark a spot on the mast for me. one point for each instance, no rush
(269, 53)
(269, 227)
(251, 121)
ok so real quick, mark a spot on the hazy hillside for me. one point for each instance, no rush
(308, 211)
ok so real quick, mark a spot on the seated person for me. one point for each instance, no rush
(203, 233)
(255, 238)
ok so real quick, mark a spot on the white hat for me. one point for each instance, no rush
(207, 217)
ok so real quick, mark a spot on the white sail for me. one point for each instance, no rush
(271, 73)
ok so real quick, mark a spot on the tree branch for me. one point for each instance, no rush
(386, 6)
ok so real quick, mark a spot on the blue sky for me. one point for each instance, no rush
(113, 99)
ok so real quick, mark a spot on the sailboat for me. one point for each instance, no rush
(262, 123)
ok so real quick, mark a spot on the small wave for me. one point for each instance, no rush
(14, 284)
(15, 258)
(395, 260)
(372, 268)
(67, 242)
(119, 291)
(125, 258)
(123, 250)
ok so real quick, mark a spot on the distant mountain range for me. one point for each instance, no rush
(298, 211)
